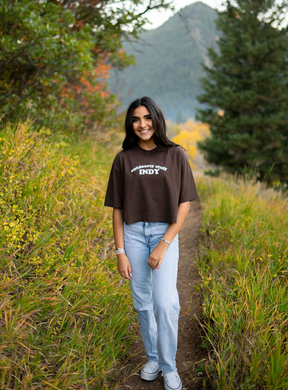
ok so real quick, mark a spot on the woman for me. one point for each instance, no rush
(150, 189)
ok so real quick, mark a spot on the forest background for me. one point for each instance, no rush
(66, 319)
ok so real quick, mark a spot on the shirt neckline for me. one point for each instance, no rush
(147, 151)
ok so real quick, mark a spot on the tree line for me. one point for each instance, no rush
(55, 56)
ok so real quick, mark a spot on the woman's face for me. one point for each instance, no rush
(143, 127)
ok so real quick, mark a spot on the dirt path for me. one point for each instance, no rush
(189, 350)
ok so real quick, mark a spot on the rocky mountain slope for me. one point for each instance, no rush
(168, 62)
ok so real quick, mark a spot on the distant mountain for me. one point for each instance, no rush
(168, 62)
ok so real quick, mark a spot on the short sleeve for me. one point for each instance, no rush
(115, 189)
(188, 189)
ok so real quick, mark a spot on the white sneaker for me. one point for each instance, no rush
(172, 380)
(150, 371)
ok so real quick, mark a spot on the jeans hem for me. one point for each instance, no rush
(167, 370)
(152, 360)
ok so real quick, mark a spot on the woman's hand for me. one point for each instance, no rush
(124, 266)
(157, 255)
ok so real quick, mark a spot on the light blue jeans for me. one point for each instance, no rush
(154, 293)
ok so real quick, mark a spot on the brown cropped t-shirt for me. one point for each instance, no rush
(150, 185)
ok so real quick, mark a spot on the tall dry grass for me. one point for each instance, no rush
(65, 316)
(244, 267)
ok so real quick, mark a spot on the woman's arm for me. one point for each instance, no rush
(123, 264)
(157, 255)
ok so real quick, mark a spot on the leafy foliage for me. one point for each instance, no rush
(187, 134)
(248, 81)
(46, 44)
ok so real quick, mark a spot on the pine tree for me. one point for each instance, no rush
(245, 91)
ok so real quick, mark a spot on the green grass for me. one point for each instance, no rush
(243, 263)
(65, 315)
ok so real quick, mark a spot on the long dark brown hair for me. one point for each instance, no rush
(158, 122)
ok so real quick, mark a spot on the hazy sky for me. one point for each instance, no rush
(159, 17)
